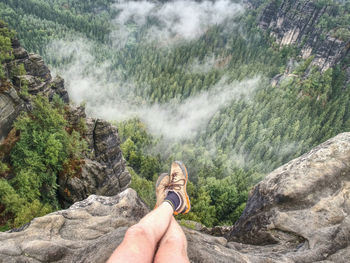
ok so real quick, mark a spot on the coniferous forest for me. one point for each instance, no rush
(228, 101)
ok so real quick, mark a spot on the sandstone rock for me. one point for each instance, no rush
(89, 180)
(75, 115)
(106, 146)
(39, 81)
(20, 53)
(10, 107)
(36, 67)
(303, 207)
(57, 87)
(104, 169)
(35, 84)
(298, 213)
(295, 22)
(88, 231)
(217, 230)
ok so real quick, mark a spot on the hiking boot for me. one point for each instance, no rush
(177, 184)
(161, 192)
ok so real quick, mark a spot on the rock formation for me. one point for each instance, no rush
(303, 207)
(103, 171)
(298, 213)
(10, 107)
(86, 232)
(90, 230)
(38, 79)
(297, 22)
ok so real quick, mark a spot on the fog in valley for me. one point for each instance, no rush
(107, 96)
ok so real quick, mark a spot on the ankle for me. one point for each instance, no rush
(173, 199)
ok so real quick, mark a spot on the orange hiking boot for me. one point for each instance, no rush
(161, 192)
(177, 185)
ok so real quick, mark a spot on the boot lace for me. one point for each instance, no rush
(175, 185)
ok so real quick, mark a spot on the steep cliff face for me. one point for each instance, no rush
(103, 170)
(304, 23)
(38, 79)
(298, 213)
(10, 106)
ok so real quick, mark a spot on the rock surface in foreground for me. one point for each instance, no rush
(88, 231)
(298, 213)
(303, 207)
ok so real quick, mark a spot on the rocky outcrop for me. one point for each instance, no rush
(303, 207)
(37, 78)
(107, 151)
(103, 171)
(298, 213)
(10, 106)
(37, 75)
(298, 22)
(88, 231)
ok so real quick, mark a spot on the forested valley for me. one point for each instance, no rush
(224, 98)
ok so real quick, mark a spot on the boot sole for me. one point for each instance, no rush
(184, 170)
(160, 178)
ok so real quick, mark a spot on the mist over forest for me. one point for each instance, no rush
(192, 81)
(110, 93)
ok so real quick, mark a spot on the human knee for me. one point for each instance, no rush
(176, 240)
(138, 232)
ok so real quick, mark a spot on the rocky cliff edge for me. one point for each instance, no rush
(298, 213)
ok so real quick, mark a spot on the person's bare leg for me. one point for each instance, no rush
(173, 246)
(140, 241)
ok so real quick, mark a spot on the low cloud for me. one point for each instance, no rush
(110, 97)
(205, 66)
(208, 64)
(187, 118)
(115, 100)
(170, 21)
